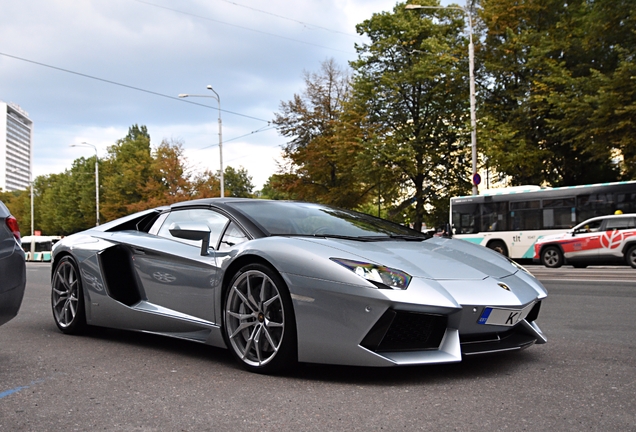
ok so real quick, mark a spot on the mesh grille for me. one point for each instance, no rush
(406, 331)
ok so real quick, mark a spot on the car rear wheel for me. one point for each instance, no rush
(67, 299)
(630, 256)
(258, 318)
(552, 257)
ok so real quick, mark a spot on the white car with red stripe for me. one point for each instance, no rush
(600, 240)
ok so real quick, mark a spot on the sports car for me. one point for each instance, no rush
(281, 282)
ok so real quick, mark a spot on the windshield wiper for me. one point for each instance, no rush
(334, 236)
(388, 237)
(410, 237)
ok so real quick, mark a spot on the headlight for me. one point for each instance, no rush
(380, 276)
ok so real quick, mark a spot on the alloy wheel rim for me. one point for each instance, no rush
(551, 258)
(65, 294)
(255, 318)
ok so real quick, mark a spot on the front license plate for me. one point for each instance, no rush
(503, 317)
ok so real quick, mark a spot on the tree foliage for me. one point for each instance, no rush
(132, 177)
(412, 85)
(552, 109)
(321, 161)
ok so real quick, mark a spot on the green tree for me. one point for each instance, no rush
(321, 161)
(270, 192)
(65, 203)
(411, 82)
(127, 171)
(549, 66)
(169, 179)
(238, 183)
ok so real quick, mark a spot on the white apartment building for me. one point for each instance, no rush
(16, 147)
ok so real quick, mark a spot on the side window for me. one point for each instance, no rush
(233, 236)
(619, 224)
(215, 221)
(593, 226)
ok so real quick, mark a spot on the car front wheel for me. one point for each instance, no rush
(630, 256)
(67, 298)
(258, 318)
(552, 257)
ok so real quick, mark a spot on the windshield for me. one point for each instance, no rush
(307, 219)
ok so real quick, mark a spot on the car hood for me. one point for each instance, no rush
(436, 258)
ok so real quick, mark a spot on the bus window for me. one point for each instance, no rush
(557, 213)
(626, 202)
(466, 218)
(494, 216)
(525, 215)
(597, 204)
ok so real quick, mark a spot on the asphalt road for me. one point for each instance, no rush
(584, 378)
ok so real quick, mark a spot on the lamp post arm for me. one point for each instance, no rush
(218, 100)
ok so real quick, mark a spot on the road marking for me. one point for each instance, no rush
(17, 389)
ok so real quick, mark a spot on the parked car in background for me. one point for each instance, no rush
(12, 266)
(600, 240)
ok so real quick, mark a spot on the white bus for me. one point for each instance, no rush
(511, 220)
(43, 245)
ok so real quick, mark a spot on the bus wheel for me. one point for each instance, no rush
(498, 246)
(552, 257)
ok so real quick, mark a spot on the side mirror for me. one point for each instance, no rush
(193, 232)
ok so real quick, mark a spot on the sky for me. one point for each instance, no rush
(87, 70)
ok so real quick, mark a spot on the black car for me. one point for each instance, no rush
(12, 266)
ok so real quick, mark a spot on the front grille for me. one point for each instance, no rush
(406, 331)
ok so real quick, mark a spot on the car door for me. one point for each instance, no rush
(586, 243)
(615, 231)
(173, 273)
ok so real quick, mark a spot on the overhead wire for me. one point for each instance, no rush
(129, 86)
(239, 26)
(263, 129)
(304, 24)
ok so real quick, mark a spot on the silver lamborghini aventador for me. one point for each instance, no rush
(281, 282)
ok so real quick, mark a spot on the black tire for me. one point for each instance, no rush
(498, 246)
(67, 297)
(630, 256)
(259, 326)
(552, 257)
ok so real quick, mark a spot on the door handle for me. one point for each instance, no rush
(138, 251)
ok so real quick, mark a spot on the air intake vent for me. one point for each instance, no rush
(406, 331)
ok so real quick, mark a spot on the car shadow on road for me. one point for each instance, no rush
(486, 366)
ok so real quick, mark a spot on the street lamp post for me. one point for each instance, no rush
(85, 144)
(218, 99)
(471, 75)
